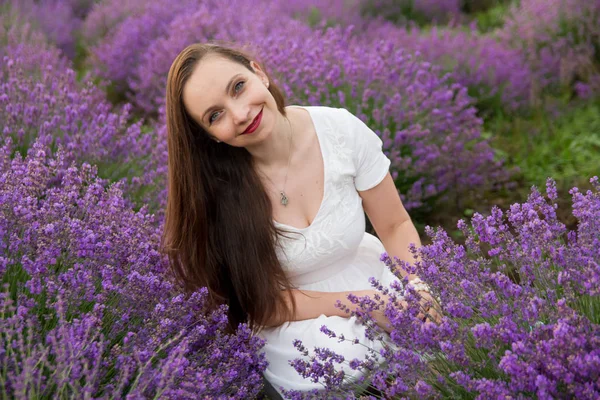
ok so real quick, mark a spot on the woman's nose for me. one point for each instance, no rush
(240, 114)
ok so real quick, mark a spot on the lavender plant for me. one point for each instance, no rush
(14, 30)
(496, 75)
(520, 302)
(88, 307)
(105, 16)
(115, 56)
(42, 100)
(62, 28)
(560, 38)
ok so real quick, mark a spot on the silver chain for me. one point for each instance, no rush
(284, 198)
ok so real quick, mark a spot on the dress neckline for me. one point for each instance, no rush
(321, 148)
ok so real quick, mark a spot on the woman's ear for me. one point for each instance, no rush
(261, 74)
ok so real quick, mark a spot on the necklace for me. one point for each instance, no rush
(284, 198)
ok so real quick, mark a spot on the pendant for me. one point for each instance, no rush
(284, 199)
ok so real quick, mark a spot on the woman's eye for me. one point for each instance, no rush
(238, 87)
(211, 118)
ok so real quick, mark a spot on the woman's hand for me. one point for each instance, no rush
(431, 311)
(382, 321)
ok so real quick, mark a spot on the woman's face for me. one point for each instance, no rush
(231, 102)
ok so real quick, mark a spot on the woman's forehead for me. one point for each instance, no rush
(212, 72)
(208, 81)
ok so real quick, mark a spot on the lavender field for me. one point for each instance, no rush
(488, 109)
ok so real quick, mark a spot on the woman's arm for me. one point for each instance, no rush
(396, 231)
(311, 304)
(391, 220)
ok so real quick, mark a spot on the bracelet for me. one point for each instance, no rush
(419, 286)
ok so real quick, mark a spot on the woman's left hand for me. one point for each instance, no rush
(431, 309)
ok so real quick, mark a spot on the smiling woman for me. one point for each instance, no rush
(280, 258)
(218, 228)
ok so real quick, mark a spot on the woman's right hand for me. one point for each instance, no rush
(378, 315)
(384, 323)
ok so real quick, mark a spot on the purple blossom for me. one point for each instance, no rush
(42, 100)
(140, 24)
(559, 38)
(510, 327)
(85, 280)
(497, 75)
(61, 28)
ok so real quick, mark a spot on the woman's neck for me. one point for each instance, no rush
(274, 152)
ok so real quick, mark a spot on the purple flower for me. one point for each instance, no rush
(510, 326)
(87, 293)
(559, 38)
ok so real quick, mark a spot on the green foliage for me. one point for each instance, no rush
(399, 12)
(316, 20)
(566, 148)
(481, 6)
(492, 18)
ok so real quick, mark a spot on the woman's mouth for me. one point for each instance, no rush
(255, 123)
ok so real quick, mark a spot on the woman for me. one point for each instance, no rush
(265, 207)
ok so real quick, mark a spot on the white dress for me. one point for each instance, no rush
(334, 253)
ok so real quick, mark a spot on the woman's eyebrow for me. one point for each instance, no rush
(227, 90)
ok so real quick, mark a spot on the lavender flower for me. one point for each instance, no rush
(86, 283)
(421, 11)
(497, 75)
(114, 57)
(61, 28)
(42, 100)
(560, 39)
(519, 303)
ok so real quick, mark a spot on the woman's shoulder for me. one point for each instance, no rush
(326, 109)
(328, 114)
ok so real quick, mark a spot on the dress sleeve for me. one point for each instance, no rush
(371, 164)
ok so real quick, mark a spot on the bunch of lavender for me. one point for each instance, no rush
(105, 16)
(19, 38)
(14, 31)
(42, 100)
(89, 309)
(589, 89)
(143, 22)
(560, 38)
(62, 28)
(497, 76)
(117, 54)
(157, 170)
(327, 12)
(520, 303)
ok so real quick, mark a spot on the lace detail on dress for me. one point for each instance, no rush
(342, 181)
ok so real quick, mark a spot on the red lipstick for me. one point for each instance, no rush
(255, 123)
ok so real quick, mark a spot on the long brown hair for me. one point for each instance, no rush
(219, 231)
